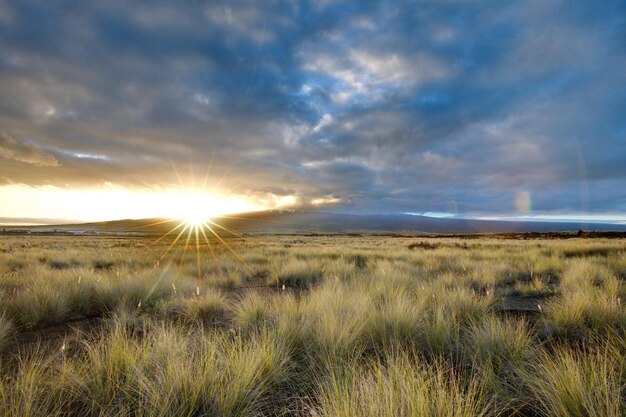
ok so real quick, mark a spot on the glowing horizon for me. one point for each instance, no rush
(114, 202)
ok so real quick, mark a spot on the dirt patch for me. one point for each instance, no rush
(432, 246)
(56, 334)
(103, 265)
(590, 252)
(424, 245)
(522, 307)
(62, 264)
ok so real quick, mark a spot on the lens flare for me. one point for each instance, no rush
(522, 201)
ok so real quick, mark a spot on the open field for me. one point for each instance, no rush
(312, 326)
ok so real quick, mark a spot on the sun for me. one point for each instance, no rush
(194, 216)
(196, 229)
(195, 209)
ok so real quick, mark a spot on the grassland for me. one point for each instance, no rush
(312, 326)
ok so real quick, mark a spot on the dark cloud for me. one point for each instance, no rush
(388, 106)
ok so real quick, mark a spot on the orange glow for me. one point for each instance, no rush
(115, 202)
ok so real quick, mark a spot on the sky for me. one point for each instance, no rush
(120, 109)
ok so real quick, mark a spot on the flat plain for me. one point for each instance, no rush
(312, 326)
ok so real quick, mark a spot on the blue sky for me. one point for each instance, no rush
(494, 107)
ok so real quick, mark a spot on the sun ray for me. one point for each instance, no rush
(145, 226)
(190, 226)
(227, 230)
(174, 242)
(206, 239)
(193, 181)
(226, 245)
(219, 183)
(180, 180)
(208, 170)
(158, 280)
(246, 218)
(195, 224)
(198, 269)
(168, 233)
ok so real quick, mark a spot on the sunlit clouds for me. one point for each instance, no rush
(360, 107)
(113, 202)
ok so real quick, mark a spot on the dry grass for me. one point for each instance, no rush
(571, 382)
(402, 386)
(6, 328)
(313, 326)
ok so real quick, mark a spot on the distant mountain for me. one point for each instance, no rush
(325, 222)
(311, 221)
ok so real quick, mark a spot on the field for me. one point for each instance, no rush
(312, 326)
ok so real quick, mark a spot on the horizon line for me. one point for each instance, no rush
(582, 218)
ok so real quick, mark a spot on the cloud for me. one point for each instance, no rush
(30, 154)
(398, 70)
(325, 201)
(385, 106)
(371, 74)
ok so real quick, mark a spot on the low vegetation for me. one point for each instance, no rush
(312, 326)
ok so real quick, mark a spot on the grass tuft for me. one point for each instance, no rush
(297, 274)
(578, 383)
(400, 387)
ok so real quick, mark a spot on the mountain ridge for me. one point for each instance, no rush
(312, 221)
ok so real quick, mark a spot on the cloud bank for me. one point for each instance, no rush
(413, 106)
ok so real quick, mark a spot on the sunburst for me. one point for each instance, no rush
(200, 235)
(195, 229)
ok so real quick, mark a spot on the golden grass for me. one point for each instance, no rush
(312, 326)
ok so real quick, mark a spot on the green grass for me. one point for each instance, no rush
(312, 326)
